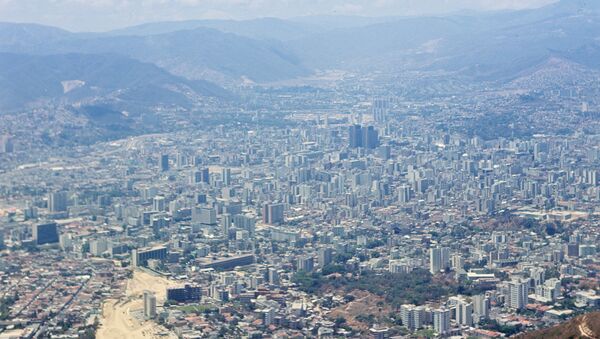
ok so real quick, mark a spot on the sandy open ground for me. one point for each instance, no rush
(118, 322)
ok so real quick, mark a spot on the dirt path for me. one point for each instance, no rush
(585, 330)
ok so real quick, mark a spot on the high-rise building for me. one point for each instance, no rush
(158, 203)
(464, 313)
(164, 162)
(306, 264)
(438, 259)
(45, 233)
(273, 276)
(226, 176)
(149, 305)
(441, 321)
(57, 201)
(355, 136)
(6, 144)
(370, 137)
(404, 195)
(325, 256)
(481, 306)
(380, 110)
(517, 294)
(246, 222)
(273, 214)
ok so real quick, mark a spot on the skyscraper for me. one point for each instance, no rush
(355, 136)
(370, 137)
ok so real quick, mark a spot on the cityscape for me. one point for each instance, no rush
(347, 203)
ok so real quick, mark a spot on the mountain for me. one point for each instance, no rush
(18, 37)
(75, 78)
(260, 29)
(585, 326)
(200, 53)
(487, 46)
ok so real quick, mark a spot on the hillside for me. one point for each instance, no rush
(585, 326)
(25, 79)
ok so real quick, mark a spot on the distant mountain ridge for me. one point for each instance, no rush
(483, 47)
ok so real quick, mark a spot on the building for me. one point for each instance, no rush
(57, 202)
(158, 203)
(228, 262)
(273, 214)
(370, 138)
(439, 259)
(380, 110)
(149, 305)
(245, 222)
(140, 257)
(305, 264)
(273, 276)
(355, 136)
(204, 216)
(6, 144)
(45, 233)
(404, 194)
(186, 294)
(481, 307)
(464, 313)
(413, 317)
(441, 321)
(325, 256)
(549, 291)
(517, 294)
(164, 162)
(226, 176)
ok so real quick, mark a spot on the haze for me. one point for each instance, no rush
(101, 15)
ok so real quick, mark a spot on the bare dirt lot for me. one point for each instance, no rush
(118, 321)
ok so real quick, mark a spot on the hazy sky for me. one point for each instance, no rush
(85, 15)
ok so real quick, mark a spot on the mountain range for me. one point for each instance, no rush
(489, 46)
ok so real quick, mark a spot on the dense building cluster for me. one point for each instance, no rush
(329, 224)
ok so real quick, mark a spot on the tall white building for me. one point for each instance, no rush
(149, 305)
(441, 321)
(439, 259)
(517, 294)
(464, 313)
(481, 306)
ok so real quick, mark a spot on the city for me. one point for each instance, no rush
(351, 204)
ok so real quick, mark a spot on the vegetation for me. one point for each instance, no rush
(416, 287)
(5, 304)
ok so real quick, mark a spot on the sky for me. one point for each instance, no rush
(102, 15)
